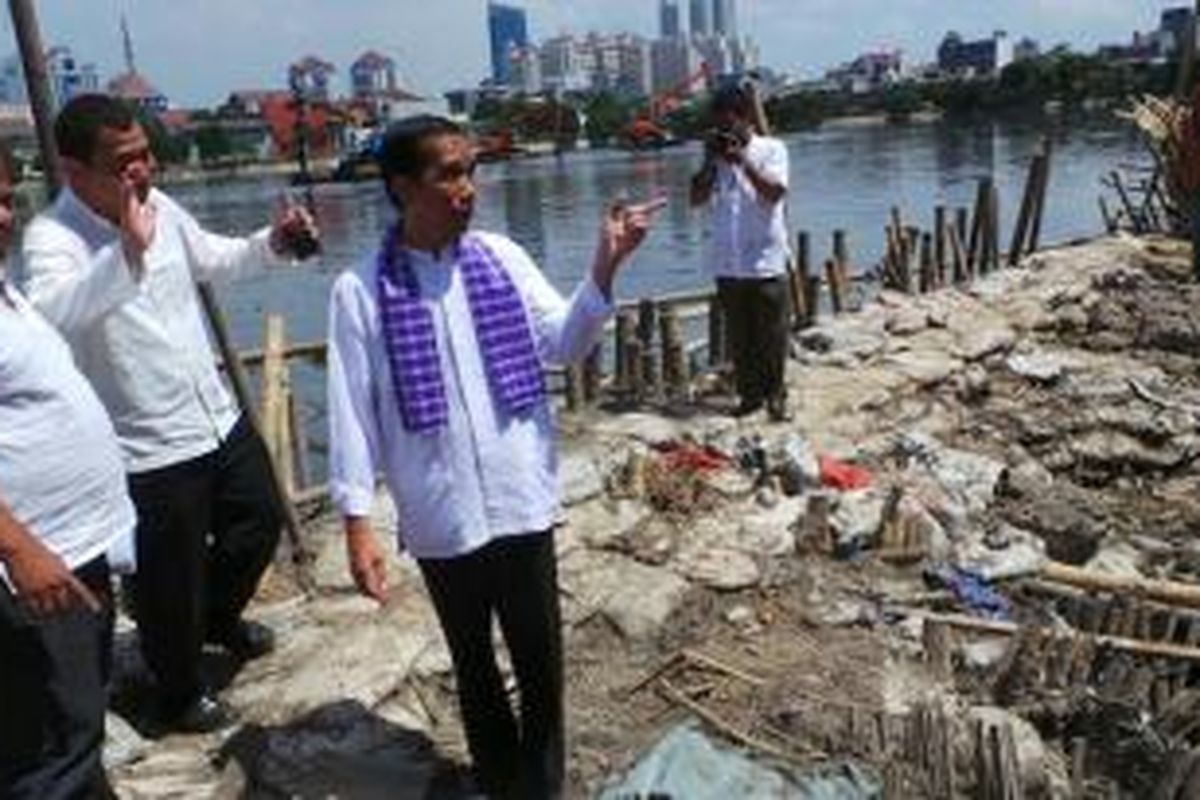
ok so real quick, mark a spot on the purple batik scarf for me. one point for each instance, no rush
(514, 371)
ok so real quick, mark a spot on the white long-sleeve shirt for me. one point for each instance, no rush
(749, 236)
(143, 343)
(486, 474)
(61, 474)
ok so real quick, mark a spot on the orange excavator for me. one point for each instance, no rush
(646, 131)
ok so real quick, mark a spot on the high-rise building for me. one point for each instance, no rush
(699, 18)
(724, 18)
(562, 64)
(668, 16)
(673, 61)
(508, 29)
(525, 70)
(1173, 28)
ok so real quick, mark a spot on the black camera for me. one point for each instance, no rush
(300, 242)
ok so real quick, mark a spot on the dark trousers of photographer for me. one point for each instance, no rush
(756, 317)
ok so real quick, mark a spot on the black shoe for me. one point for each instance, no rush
(203, 714)
(778, 411)
(246, 641)
(747, 407)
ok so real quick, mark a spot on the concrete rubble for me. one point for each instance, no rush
(1043, 413)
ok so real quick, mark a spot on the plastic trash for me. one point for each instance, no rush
(797, 466)
(971, 589)
(688, 457)
(839, 475)
(687, 765)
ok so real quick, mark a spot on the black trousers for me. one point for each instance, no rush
(53, 685)
(207, 529)
(756, 314)
(515, 580)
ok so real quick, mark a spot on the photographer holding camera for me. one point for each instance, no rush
(744, 179)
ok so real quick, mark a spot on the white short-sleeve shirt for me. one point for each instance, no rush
(749, 236)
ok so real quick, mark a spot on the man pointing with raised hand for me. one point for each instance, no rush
(437, 348)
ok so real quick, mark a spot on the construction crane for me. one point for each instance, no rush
(646, 131)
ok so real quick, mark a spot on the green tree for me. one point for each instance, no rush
(167, 147)
(213, 143)
(607, 116)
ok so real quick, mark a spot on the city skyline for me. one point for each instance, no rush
(446, 45)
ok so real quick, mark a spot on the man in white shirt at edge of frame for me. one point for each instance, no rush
(64, 508)
(745, 179)
(437, 349)
(112, 264)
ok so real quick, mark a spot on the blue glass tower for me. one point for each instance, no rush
(508, 27)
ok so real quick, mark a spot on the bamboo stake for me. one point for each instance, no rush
(960, 256)
(303, 470)
(993, 237)
(1000, 628)
(975, 244)
(841, 256)
(1168, 592)
(927, 268)
(625, 332)
(649, 367)
(241, 390)
(835, 286)
(275, 390)
(716, 333)
(574, 378)
(1135, 221)
(804, 311)
(939, 243)
(1021, 230)
(272, 386)
(1039, 209)
(593, 375)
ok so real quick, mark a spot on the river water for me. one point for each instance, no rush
(844, 175)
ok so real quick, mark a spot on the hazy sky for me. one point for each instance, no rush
(196, 51)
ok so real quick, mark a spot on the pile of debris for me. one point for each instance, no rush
(966, 569)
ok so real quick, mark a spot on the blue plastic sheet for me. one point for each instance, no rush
(686, 765)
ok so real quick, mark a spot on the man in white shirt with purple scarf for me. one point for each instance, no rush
(436, 356)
